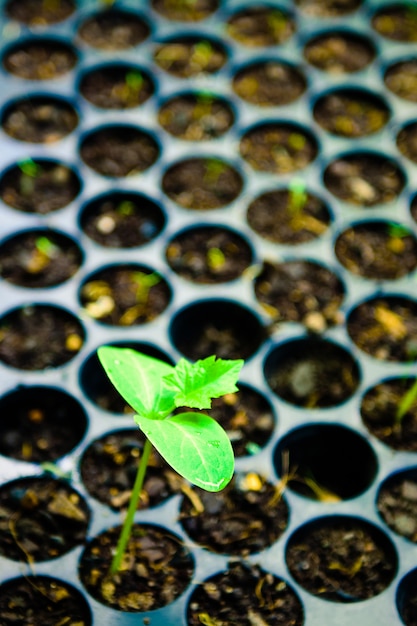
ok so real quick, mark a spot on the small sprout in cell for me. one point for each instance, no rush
(296, 141)
(144, 283)
(55, 470)
(134, 82)
(29, 172)
(407, 402)
(297, 195)
(202, 52)
(277, 23)
(215, 259)
(193, 444)
(214, 169)
(125, 208)
(46, 247)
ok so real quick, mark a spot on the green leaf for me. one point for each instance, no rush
(197, 383)
(139, 379)
(195, 445)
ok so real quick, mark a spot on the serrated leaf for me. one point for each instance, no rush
(195, 446)
(197, 383)
(139, 379)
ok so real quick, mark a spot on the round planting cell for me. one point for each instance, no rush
(407, 598)
(269, 83)
(259, 26)
(43, 58)
(125, 295)
(116, 86)
(385, 327)
(41, 519)
(158, 569)
(39, 258)
(113, 29)
(49, 601)
(316, 462)
(119, 150)
(401, 78)
(377, 250)
(397, 22)
(328, 8)
(407, 141)
(341, 558)
(185, 11)
(39, 119)
(40, 424)
(229, 597)
(122, 219)
(248, 516)
(202, 183)
(397, 503)
(189, 56)
(311, 373)
(216, 326)
(39, 186)
(339, 52)
(196, 116)
(38, 13)
(208, 254)
(39, 336)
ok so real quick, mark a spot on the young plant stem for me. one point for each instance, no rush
(133, 505)
(406, 402)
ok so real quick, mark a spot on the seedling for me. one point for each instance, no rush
(297, 195)
(46, 247)
(406, 403)
(215, 259)
(30, 171)
(193, 444)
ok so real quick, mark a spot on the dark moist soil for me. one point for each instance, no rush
(339, 52)
(401, 79)
(39, 119)
(364, 179)
(40, 59)
(269, 83)
(313, 374)
(275, 216)
(409, 609)
(196, 117)
(38, 337)
(248, 516)
(187, 11)
(377, 250)
(208, 255)
(119, 151)
(341, 559)
(300, 291)
(42, 600)
(279, 148)
(116, 86)
(109, 466)
(113, 29)
(122, 295)
(37, 259)
(260, 26)
(397, 22)
(45, 187)
(379, 409)
(187, 57)
(385, 328)
(38, 12)
(328, 8)
(397, 504)
(156, 569)
(202, 183)
(351, 113)
(40, 424)
(40, 519)
(246, 595)
(407, 141)
(122, 220)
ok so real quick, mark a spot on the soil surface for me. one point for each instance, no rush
(269, 83)
(40, 59)
(43, 600)
(187, 11)
(328, 8)
(397, 21)
(40, 519)
(407, 141)
(39, 186)
(379, 409)
(119, 151)
(37, 259)
(157, 568)
(116, 86)
(300, 291)
(408, 606)
(246, 595)
(364, 179)
(280, 148)
(260, 26)
(202, 183)
(248, 516)
(125, 295)
(339, 52)
(377, 250)
(397, 504)
(341, 559)
(39, 119)
(37, 337)
(113, 29)
(284, 217)
(385, 328)
(401, 79)
(38, 12)
(186, 57)
(208, 254)
(196, 117)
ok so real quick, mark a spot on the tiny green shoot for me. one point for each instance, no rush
(144, 283)
(215, 259)
(29, 167)
(406, 402)
(134, 81)
(46, 247)
(297, 195)
(193, 444)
